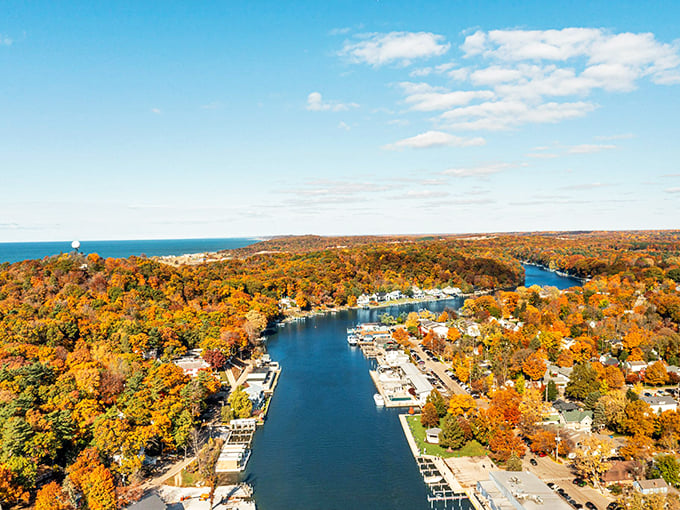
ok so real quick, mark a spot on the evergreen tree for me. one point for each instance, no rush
(452, 435)
(552, 391)
(599, 417)
(514, 463)
(591, 400)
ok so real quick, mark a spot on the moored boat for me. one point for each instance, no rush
(379, 400)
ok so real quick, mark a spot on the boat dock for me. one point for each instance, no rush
(442, 485)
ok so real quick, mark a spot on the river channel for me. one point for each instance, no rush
(325, 444)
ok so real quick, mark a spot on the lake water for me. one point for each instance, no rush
(14, 252)
(325, 444)
(534, 275)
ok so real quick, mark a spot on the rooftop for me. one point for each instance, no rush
(528, 490)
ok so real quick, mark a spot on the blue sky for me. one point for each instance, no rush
(219, 119)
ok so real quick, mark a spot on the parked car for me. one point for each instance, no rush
(590, 505)
(551, 485)
(533, 462)
(580, 482)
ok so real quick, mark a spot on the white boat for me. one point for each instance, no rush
(430, 480)
(352, 339)
(379, 401)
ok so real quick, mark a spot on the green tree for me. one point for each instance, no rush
(674, 274)
(552, 391)
(591, 400)
(452, 435)
(240, 403)
(439, 402)
(599, 417)
(429, 416)
(668, 468)
(583, 382)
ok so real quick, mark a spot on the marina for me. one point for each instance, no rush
(324, 415)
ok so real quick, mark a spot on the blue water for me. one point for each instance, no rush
(14, 252)
(534, 275)
(325, 444)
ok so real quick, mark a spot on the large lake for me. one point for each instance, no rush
(325, 444)
(14, 252)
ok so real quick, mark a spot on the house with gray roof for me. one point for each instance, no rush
(655, 486)
(660, 403)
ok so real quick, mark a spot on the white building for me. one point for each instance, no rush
(417, 380)
(519, 490)
(656, 486)
(636, 366)
(660, 404)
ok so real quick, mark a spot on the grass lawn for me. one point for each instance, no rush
(471, 449)
(189, 479)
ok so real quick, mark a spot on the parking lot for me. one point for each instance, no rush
(560, 474)
(430, 364)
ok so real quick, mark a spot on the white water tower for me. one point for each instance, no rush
(75, 245)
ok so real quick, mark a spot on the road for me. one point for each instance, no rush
(550, 471)
(440, 369)
(546, 469)
(174, 469)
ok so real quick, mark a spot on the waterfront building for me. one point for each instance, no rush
(518, 490)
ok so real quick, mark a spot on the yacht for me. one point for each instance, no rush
(379, 401)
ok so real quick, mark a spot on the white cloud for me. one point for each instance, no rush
(339, 31)
(343, 125)
(419, 194)
(434, 139)
(672, 190)
(157, 111)
(315, 103)
(460, 74)
(590, 185)
(5, 40)
(611, 61)
(589, 148)
(479, 171)
(425, 98)
(507, 113)
(401, 47)
(542, 155)
(622, 136)
(494, 75)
